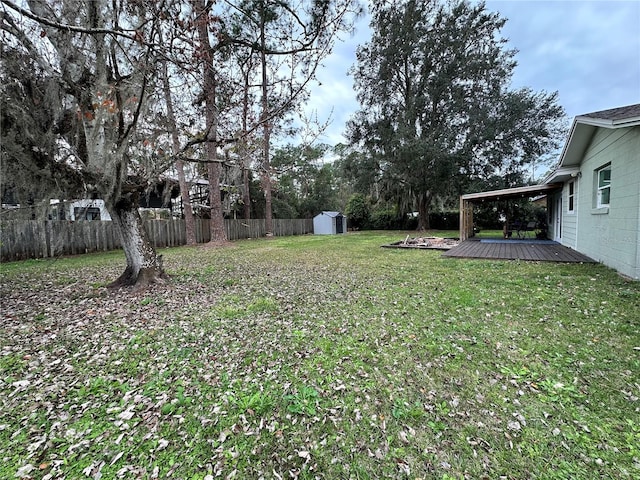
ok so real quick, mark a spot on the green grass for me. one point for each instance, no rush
(319, 357)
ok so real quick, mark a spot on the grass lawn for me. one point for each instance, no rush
(319, 357)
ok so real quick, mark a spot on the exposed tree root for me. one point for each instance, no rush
(145, 278)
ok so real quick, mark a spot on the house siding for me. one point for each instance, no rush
(609, 235)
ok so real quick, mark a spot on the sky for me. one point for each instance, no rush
(586, 50)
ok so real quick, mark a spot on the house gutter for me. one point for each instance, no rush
(600, 122)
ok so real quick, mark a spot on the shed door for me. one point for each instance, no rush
(339, 227)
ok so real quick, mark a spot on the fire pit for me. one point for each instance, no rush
(432, 243)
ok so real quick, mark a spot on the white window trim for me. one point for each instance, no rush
(600, 189)
(572, 197)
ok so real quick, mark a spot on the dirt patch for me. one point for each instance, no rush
(431, 243)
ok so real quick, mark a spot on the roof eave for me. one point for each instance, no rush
(562, 174)
(608, 123)
(577, 143)
(581, 133)
(516, 192)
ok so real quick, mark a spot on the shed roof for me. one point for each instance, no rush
(332, 214)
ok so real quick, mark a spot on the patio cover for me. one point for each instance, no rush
(467, 201)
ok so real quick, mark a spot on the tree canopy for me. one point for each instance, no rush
(305, 182)
(103, 97)
(437, 109)
(93, 68)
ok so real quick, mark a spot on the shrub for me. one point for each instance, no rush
(357, 210)
(385, 219)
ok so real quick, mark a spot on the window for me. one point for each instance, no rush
(86, 213)
(604, 187)
(572, 196)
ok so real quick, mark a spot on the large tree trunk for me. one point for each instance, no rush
(189, 221)
(266, 185)
(266, 141)
(144, 266)
(246, 193)
(424, 202)
(244, 149)
(218, 233)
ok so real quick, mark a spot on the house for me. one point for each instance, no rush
(84, 209)
(593, 193)
(329, 223)
(597, 210)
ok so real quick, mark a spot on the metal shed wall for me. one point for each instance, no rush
(325, 223)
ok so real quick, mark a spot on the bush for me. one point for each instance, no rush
(487, 218)
(410, 223)
(385, 219)
(282, 209)
(388, 219)
(357, 210)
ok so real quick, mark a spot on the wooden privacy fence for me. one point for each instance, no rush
(41, 239)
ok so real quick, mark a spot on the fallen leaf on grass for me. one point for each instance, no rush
(514, 425)
(24, 471)
(126, 415)
(116, 458)
(304, 454)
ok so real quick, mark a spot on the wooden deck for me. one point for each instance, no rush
(531, 250)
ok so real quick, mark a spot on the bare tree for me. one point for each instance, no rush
(105, 62)
(246, 140)
(289, 41)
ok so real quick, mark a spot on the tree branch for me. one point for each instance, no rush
(72, 28)
(10, 26)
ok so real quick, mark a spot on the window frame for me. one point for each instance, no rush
(87, 214)
(602, 186)
(571, 196)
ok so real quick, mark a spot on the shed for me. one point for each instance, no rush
(329, 223)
